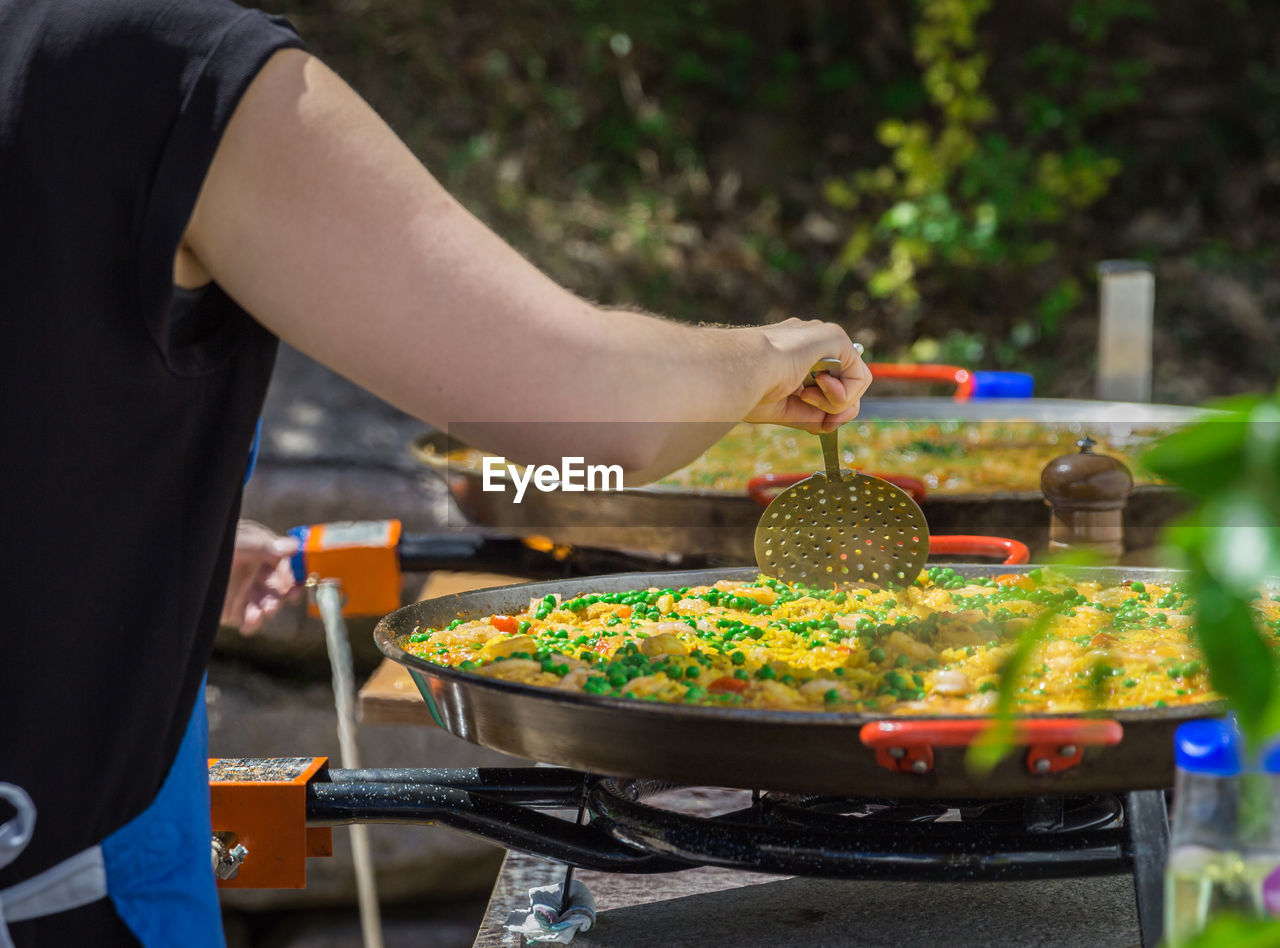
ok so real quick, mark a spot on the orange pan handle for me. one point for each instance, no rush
(1053, 744)
(764, 488)
(926, 372)
(1002, 548)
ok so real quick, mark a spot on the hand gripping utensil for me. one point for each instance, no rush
(841, 526)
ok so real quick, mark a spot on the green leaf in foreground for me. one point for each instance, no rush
(1204, 456)
(998, 740)
(1230, 543)
(1240, 663)
(1229, 931)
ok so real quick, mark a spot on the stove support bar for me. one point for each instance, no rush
(857, 847)
(529, 786)
(510, 825)
(1147, 820)
(1038, 838)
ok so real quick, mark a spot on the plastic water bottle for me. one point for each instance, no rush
(1259, 833)
(1206, 873)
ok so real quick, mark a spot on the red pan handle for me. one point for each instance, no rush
(926, 372)
(764, 488)
(961, 732)
(1006, 550)
(906, 746)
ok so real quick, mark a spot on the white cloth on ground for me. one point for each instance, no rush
(544, 923)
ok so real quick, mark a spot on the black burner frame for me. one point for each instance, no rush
(1035, 837)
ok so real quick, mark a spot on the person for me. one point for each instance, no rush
(182, 186)
(261, 577)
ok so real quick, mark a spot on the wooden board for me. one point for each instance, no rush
(390, 696)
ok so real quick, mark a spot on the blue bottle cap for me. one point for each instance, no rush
(1002, 385)
(299, 559)
(1211, 747)
(1271, 758)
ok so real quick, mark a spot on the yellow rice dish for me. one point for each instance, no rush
(950, 457)
(934, 647)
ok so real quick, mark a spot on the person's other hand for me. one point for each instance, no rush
(829, 403)
(261, 577)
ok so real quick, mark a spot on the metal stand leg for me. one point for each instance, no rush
(1148, 823)
(565, 901)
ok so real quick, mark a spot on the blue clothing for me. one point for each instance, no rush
(156, 869)
(159, 872)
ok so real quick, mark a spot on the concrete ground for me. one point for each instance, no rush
(719, 907)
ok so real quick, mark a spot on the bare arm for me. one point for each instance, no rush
(323, 225)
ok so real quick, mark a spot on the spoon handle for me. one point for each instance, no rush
(831, 453)
(830, 440)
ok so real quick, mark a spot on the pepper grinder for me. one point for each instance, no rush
(1087, 493)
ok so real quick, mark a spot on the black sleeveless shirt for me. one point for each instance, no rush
(128, 406)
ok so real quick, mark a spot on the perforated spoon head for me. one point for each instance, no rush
(849, 529)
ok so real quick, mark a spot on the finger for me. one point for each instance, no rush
(253, 557)
(817, 413)
(236, 596)
(252, 619)
(835, 394)
(281, 579)
(831, 392)
(830, 395)
(831, 422)
(859, 379)
(797, 414)
(815, 399)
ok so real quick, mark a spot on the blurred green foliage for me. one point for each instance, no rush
(1231, 932)
(1230, 543)
(960, 191)
(936, 174)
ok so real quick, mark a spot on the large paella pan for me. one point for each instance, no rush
(711, 508)
(864, 749)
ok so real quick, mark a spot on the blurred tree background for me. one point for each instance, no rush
(940, 176)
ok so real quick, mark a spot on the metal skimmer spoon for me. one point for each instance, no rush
(841, 526)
